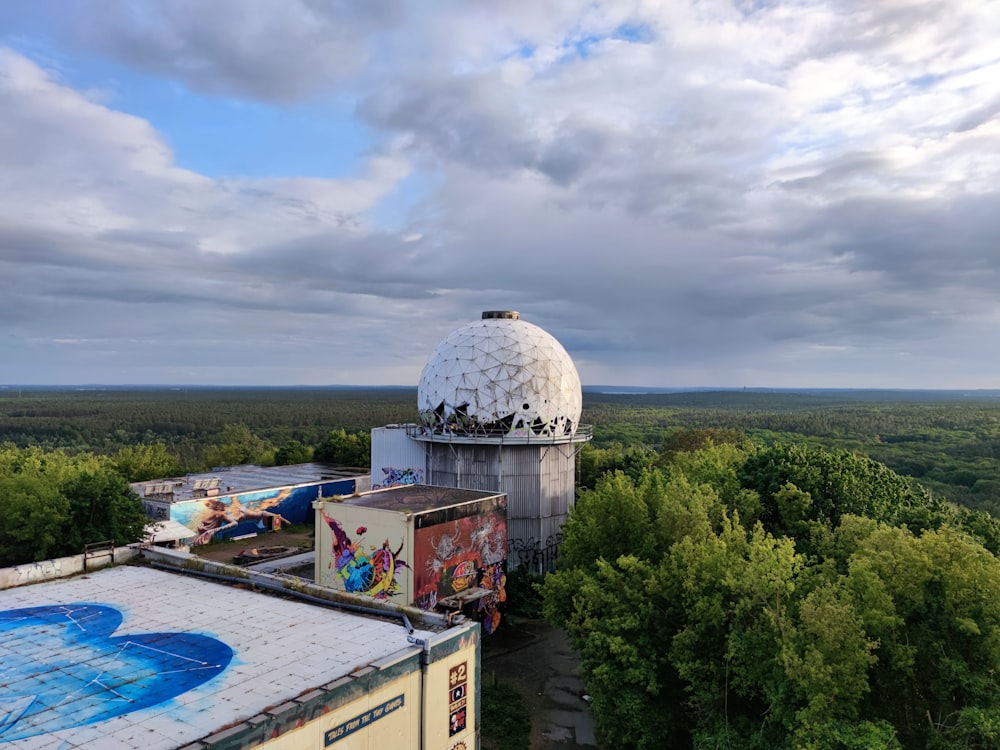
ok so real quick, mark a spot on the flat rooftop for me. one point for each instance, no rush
(246, 478)
(133, 657)
(417, 498)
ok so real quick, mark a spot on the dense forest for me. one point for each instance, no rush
(949, 442)
(782, 597)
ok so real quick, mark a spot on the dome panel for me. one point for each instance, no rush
(500, 376)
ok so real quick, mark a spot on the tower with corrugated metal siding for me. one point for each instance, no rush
(500, 404)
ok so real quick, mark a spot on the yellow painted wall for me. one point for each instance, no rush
(380, 529)
(397, 728)
(360, 725)
(443, 679)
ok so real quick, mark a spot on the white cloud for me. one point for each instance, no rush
(683, 192)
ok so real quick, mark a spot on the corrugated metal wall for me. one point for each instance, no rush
(394, 450)
(539, 480)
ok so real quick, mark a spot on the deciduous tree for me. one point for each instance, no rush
(851, 611)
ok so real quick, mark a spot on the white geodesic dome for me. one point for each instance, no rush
(500, 376)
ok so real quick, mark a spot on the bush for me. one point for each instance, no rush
(505, 719)
(524, 598)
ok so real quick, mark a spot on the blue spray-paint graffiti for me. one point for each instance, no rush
(61, 667)
(399, 477)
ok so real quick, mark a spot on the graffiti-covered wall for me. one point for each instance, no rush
(362, 551)
(240, 514)
(396, 477)
(462, 553)
(422, 555)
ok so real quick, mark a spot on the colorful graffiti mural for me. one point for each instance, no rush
(245, 513)
(107, 676)
(452, 557)
(393, 477)
(370, 571)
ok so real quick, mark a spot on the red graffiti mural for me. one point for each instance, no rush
(469, 552)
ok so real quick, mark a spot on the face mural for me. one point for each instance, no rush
(62, 667)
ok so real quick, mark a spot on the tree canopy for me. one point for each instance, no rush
(53, 504)
(780, 597)
(345, 450)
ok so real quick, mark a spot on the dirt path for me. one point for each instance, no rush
(537, 659)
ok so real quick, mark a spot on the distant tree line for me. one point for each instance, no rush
(203, 428)
(951, 445)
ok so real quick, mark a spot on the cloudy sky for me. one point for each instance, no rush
(685, 193)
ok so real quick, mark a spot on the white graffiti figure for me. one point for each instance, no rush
(448, 545)
(482, 535)
(445, 547)
(487, 540)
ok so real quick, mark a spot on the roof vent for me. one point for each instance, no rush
(501, 315)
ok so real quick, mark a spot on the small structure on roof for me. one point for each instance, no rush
(170, 534)
(436, 548)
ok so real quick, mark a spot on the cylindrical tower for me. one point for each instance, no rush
(500, 403)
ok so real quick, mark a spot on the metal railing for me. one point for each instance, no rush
(96, 550)
(582, 434)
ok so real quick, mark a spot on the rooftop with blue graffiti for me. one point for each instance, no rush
(248, 477)
(133, 657)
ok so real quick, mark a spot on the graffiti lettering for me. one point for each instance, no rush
(399, 477)
(39, 571)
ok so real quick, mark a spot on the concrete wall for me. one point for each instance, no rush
(48, 570)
